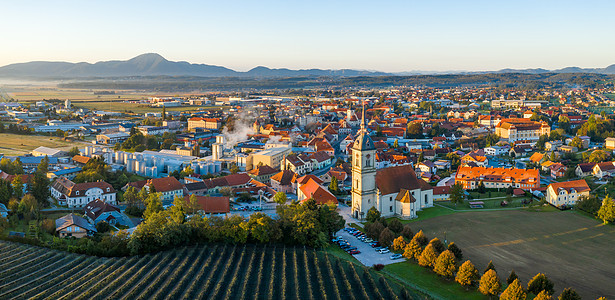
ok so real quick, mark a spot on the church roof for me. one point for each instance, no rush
(405, 196)
(394, 179)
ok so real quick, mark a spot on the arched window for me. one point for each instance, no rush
(368, 161)
(425, 198)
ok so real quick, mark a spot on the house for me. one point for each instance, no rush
(98, 210)
(81, 160)
(203, 123)
(566, 194)
(537, 157)
(233, 181)
(477, 157)
(584, 169)
(610, 143)
(75, 226)
(519, 129)
(604, 169)
(197, 188)
(520, 150)
(442, 165)
(497, 150)
(262, 173)
(336, 172)
(313, 190)
(498, 178)
(69, 173)
(426, 166)
(169, 187)
(441, 193)
(283, 182)
(212, 205)
(557, 170)
(568, 149)
(80, 194)
(553, 145)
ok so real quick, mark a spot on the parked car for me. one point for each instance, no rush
(368, 240)
(353, 252)
(383, 251)
(396, 256)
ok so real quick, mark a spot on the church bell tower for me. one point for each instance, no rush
(363, 173)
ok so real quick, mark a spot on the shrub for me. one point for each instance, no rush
(386, 237)
(102, 227)
(48, 225)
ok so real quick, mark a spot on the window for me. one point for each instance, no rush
(68, 229)
(425, 199)
(391, 208)
(76, 229)
(77, 193)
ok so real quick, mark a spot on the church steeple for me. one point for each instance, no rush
(363, 118)
(363, 141)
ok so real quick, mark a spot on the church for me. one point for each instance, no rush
(393, 191)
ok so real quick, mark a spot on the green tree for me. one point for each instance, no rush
(457, 193)
(598, 156)
(428, 257)
(262, 228)
(606, 213)
(28, 207)
(102, 227)
(446, 265)
(467, 274)
(481, 187)
(43, 166)
(407, 232)
(421, 157)
(437, 245)
(577, 142)
(569, 294)
(514, 291)
(456, 251)
(373, 215)
(512, 277)
(413, 250)
(177, 211)
(153, 204)
(490, 266)
(490, 284)
(334, 186)
(280, 198)
(454, 159)
(18, 186)
(395, 225)
(395, 144)
(539, 283)
(415, 130)
(74, 151)
(193, 206)
(39, 187)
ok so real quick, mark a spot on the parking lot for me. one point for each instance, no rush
(368, 255)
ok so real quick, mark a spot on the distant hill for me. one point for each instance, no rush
(152, 64)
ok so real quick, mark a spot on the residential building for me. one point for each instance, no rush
(204, 123)
(75, 226)
(604, 169)
(584, 169)
(283, 182)
(498, 178)
(271, 157)
(169, 187)
(98, 210)
(79, 194)
(212, 205)
(313, 190)
(519, 129)
(262, 173)
(610, 143)
(566, 194)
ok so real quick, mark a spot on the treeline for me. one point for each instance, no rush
(502, 80)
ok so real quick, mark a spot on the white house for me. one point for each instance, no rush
(80, 194)
(567, 193)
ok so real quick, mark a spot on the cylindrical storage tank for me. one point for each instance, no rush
(195, 166)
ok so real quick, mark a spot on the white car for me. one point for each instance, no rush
(383, 251)
(396, 256)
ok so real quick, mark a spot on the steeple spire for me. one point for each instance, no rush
(363, 118)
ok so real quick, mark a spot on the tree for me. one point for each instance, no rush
(454, 159)
(43, 166)
(226, 191)
(456, 251)
(395, 225)
(334, 186)
(437, 245)
(102, 227)
(467, 274)
(415, 130)
(74, 151)
(395, 144)
(490, 284)
(539, 283)
(606, 213)
(445, 265)
(39, 187)
(481, 187)
(428, 257)
(153, 203)
(421, 238)
(569, 294)
(543, 296)
(28, 207)
(386, 237)
(373, 230)
(514, 291)
(577, 142)
(17, 185)
(399, 244)
(262, 227)
(280, 198)
(512, 277)
(421, 157)
(457, 193)
(598, 156)
(193, 206)
(564, 122)
(413, 250)
(373, 215)
(490, 266)
(177, 211)
(407, 232)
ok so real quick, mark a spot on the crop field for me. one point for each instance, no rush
(573, 250)
(16, 144)
(200, 272)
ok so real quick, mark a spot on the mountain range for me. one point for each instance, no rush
(152, 64)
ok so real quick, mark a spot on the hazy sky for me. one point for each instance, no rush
(376, 35)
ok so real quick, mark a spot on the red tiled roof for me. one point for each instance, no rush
(212, 205)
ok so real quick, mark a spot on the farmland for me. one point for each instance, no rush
(570, 248)
(211, 272)
(15, 144)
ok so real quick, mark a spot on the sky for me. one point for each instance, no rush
(390, 36)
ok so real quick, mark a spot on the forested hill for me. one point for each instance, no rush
(502, 80)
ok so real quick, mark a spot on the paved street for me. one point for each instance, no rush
(368, 255)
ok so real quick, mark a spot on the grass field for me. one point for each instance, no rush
(200, 272)
(15, 144)
(572, 249)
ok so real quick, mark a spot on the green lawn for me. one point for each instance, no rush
(488, 204)
(428, 282)
(428, 213)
